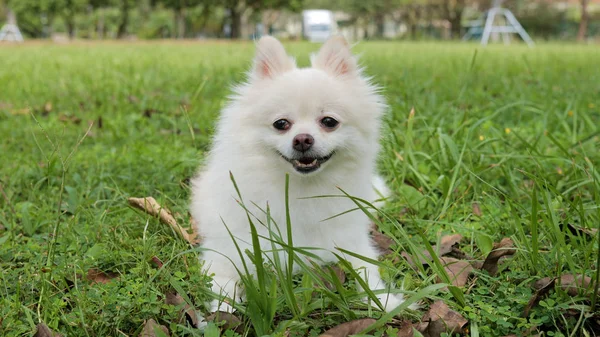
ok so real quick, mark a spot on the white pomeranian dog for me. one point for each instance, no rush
(319, 124)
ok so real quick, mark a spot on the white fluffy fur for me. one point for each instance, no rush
(246, 144)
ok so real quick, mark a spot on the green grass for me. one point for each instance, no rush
(515, 130)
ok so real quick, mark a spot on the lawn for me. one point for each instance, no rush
(503, 142)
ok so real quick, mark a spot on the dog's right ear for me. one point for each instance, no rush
(271, 59)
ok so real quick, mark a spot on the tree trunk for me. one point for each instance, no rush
(122, 30)
(414, 18)
(236, 23)
(380, 24)
(584, 21)
(454, 16)
(204, 16)
(455, 27)
(180, 23)
(100, 25)
(70, 22)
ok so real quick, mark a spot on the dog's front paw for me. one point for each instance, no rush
(390, 301)
(393, 301)
(221, 306)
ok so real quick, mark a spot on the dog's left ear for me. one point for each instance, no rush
(271, 59)
(336, 58)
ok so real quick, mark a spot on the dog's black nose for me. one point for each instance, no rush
(303, 142)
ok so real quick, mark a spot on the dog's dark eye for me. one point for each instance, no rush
(329, 122)
(282, 124)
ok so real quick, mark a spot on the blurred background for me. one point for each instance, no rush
(62, 20)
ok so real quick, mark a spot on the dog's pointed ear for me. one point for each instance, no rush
(271, 59)
(336, 58)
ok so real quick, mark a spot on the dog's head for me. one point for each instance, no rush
(308, 117)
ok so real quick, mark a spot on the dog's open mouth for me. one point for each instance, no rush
(307, 164)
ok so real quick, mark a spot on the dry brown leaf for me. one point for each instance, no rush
(4, 105)
(157, 262)
(577, 230)
(44, 331)
(151, 327)
(24, 111)
(382, 241)
(543, 287)
(476, 209)
(575, 284)
(406, 329)
(98, 276)
(446, 244)
(148, 112)
(349, 328)
(571, 284)
(227, 321)
(187, 311)
(457, 270)
(47, 108)
(150, 206)
(439, 319)
(69, 118)
(502, 248)
(133, 99)
(338, 272)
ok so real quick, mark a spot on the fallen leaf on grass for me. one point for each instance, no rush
(476, 209)
(47, 108)
(543, 287)
(24, 111)
(150, 206)
(502, 248)
(406, 329)
(69, 118)
(457, 270)
(133, 99)
(149, 112)
(226, 320)
(187, 311)
(44, 331)
(349, 328)
(4, 105)
(338, 272)
(446, 244)
(98, 276)
(441, 319)
(577, 230)
(574, 284)
(157, 262)
(571, 284)
(153, 329)
(382, 241)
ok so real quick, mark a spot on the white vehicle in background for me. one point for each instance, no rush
(318, 25)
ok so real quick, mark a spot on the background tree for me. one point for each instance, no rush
(179, 8)
(68, 9)
(99, 6)
(124, 7)
(583, 23)
(236, 9)
(453, 11)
